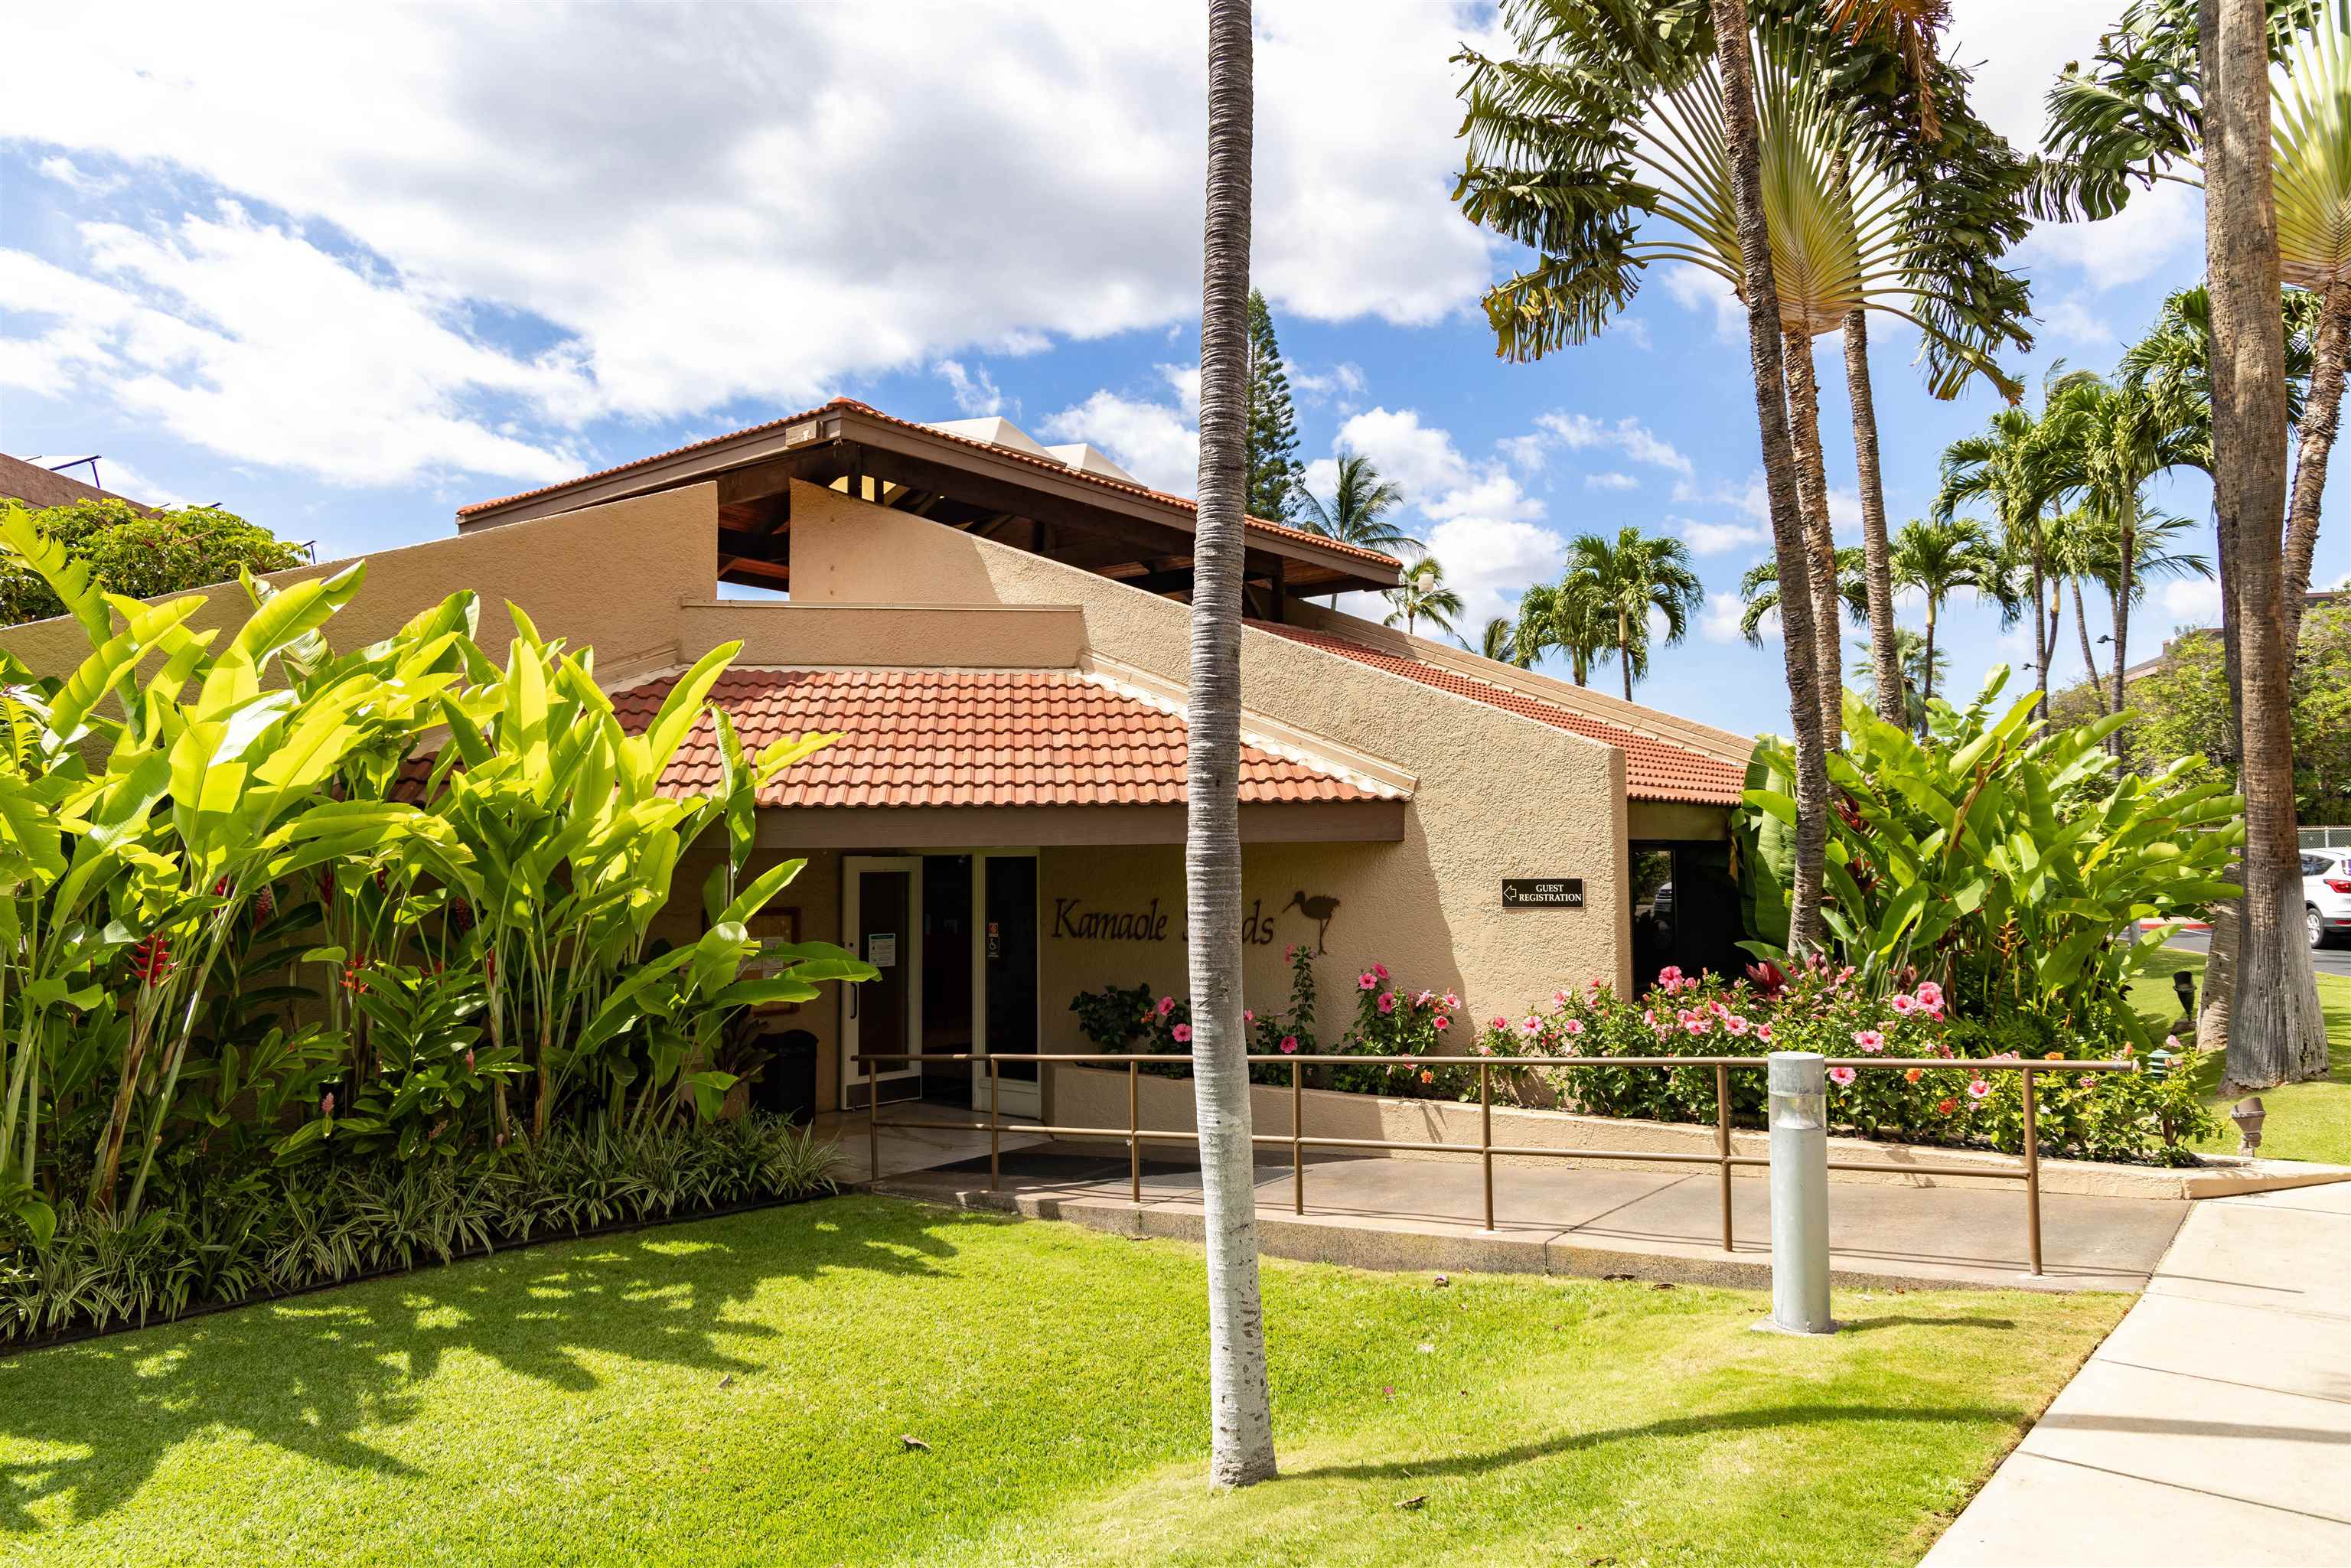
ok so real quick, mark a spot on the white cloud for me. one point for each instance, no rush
(2192, 601)
(1313, 387)
(705, 205)
(246, 337)
(1610, 480)
(2072, 318)
(1714, 539)
(1489, 561)
(973, 392)
(1718, 620)
(81, 182)
(2159, 230)
(1159, 443)
(1581, 432)
(1420, 460)
(1695, 289)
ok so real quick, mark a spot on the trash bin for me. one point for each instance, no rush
(786, 1082)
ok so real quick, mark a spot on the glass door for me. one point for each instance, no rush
(881, 911)
(1004, 977)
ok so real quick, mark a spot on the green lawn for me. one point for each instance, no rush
(734, 1392)
(2306, 1121)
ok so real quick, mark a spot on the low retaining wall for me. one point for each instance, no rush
(1096, 1097)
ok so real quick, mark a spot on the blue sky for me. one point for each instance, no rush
(343, 274)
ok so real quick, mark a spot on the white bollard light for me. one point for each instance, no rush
(1799, 1192)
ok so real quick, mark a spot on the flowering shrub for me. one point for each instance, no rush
(1815, 1007)
(1126, 1017)
(1390, 1020)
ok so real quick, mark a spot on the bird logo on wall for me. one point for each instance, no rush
(1319, 909)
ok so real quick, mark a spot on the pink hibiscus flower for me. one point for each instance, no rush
(1289, 1044)
(1367, 981)
(1930, 995)
(1440, 1023)
(1695, 1025)
(1452, 1001)
(1869, 1040)
(1166, 1006)
(1904, 1004)
(1183, 1033)
(1978, 1088)
(1763, 1033)
(1735, 1024)
(1381, 970)
(1248, 1014)
(1575, 1026)
(1559, 995)
(1387, 1001)
(1840, 1076)
(1531, 1025)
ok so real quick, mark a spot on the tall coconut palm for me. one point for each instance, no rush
(1625, 578)
(1240, 1405)
(1561, 615)
(1759, 594)
(2277, 1033)
(2014, 470)
(1911, 648)
(2137, 115)
(1937, 558)
(1499, 642)
(1423, 597)
(1358, 510)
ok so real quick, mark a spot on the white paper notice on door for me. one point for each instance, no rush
(882, 949)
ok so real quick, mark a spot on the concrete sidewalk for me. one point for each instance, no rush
(2213, 1426)
(1426, 1214)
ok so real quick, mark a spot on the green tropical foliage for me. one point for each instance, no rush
(1358, 512)
(233, 873)
(2004, 859)
(1619, 582)
(1758, 593)
(141, 554)
(1423, 596)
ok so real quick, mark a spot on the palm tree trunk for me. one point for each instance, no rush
(2129, 571)
(1796, 619)
(1625, 653)
(2320, 409)
(2040, 642)
(1928, 697)
(2277, 1033)
(2082, 625)
(1820, 538)
(1885, 663)
(1240, 1405)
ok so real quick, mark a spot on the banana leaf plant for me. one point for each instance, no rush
(2006, 860)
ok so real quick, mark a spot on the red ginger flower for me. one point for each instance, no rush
(151, 960)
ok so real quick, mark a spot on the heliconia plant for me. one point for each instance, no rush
(186, 806)
(2008, 861)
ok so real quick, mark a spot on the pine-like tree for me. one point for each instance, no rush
(1274, 471)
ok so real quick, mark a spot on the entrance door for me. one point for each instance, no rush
(1004, 977)
(882, 910)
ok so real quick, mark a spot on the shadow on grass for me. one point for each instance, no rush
(1863, 1325)
(1674, 1426)
(306, 1374)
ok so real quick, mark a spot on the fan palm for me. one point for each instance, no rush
(1625, 578)
(1424, 597)
(1758, 592)
(1937, 558)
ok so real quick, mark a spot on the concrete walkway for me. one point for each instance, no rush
(2213, 1426)
(911, 1149)
(1426, 1214)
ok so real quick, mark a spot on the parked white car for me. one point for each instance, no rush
(2326, 893)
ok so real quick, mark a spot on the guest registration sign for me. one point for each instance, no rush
(1542, 893)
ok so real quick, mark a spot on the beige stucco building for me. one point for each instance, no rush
(999, 632)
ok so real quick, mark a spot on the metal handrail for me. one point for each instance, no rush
(1484, 1148)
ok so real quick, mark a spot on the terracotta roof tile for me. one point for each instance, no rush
(965, 738)
(1258, 525)
(1654, 770)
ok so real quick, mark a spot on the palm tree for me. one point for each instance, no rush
(1937, 558)
(1499, 642)
(2277, 1033)
(1623, 581)
(2014, 468)
(1240, 1405)
(1758, 592)
(1561, 615)
(1910, 660)
(1357, 512)
(1424, 597)
(2138, 115)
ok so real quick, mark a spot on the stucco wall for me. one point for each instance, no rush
(1497, 796)
(611, 578)
(933, 636)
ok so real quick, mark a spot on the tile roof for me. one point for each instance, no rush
(1654, 770)
(37, 486)
(1256, 525)
(968, 737)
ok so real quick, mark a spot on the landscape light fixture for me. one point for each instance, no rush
(2248, 1115)
(2158, 1064)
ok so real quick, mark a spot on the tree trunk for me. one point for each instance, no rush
(2082, 625)
(1240, 1405)
(2220, 971)
(2040, 640)
(1797, 641)
(1885, 663)
(2129, 569)
(2056, 624)
(1820, 538)
(2320, 409)
(2277, 1033)
(1625, 653)
(1928, 696)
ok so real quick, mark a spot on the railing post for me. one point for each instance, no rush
(1297, 1130)
(1722, 1145)
(1799, 1192)
(873, 1119)
(995, 1140)
(1486, 1135)
(1134, 1125)
(2032, 1172)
